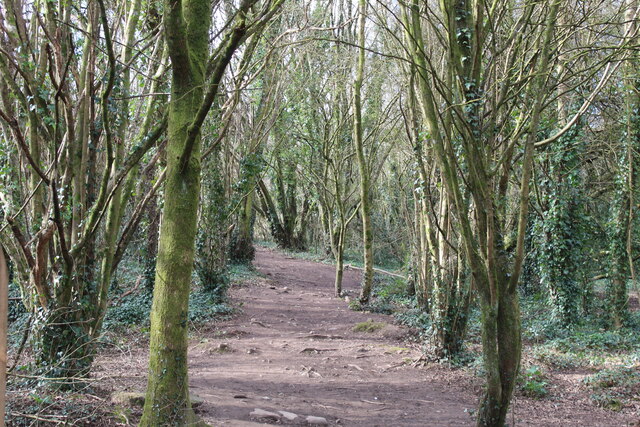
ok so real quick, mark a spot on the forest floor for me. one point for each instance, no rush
(295, 347)
(292, 346)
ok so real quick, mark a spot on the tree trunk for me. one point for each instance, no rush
(501, 344)
(339, 250)
(365, 206)
(242, 249)
(115, 210)
(622, 226)
(167, 400)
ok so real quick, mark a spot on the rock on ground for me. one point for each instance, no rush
(290, 416)
(317, 421)
(261, 414)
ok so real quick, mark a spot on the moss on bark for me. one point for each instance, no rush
(167, 401)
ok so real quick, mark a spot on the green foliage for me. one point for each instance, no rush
(562, 233)
(533, 383)
(620, 340)
(241, 243)
(388, 295)
(64, 408)
(204, 306)
(614, 388)
(16, 307)
(590, 348)
(393, 289)
(251, 166)
(355, 305)
(552, 357)
(211, 243)
(537, 325)
(62, 347)
(626, 178)
(213, 278)
(415, 318)
(132, 310)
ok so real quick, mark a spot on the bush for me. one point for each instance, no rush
(204, 306)
(533, 383)
(414, 318)
(16, 307)
(135, 309)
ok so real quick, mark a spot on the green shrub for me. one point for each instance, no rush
(204, 306)
(414, 318)
(533, 383)
(132, 310)
(627, 377)
(557, 359)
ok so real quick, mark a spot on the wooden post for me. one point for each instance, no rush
(4, 312)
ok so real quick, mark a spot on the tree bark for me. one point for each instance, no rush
(365, 206)
(167, 400)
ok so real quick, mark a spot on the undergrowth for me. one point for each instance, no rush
(614, 355)
(204, 304)
(613, 388)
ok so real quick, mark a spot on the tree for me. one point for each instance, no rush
(491, 92)
(358, 140)
(62, 121)
(187, 24)
(622, 222)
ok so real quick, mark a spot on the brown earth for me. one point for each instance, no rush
(293, 348)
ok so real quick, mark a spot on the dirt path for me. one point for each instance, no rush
(294, 349)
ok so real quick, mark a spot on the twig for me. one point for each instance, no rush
(372, 402)
(36, 417)
(130, 291)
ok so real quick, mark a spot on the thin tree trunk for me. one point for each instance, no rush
(365, 207)
(167, 399)
(4, 311)
(115, 211)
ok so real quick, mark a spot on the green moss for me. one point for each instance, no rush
(369, 326)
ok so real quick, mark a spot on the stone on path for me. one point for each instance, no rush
(290, 416)
(261, 414)
(317, 421)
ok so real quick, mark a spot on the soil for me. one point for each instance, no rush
(293, 348)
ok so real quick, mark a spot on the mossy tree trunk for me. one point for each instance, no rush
(212, 242)
(622, 222)
(561, 231)
(443, 288)
(186, 26)
(358, 138)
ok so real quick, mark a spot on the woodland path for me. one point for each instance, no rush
(294, 349)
